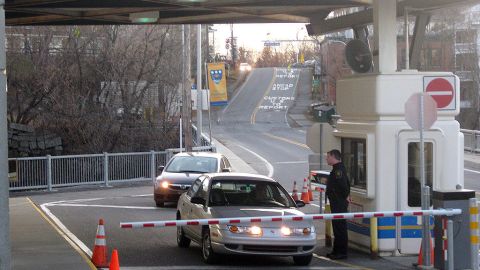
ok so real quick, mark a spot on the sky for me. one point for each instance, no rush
(252, 36)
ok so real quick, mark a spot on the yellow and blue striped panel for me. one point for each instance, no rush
(386, 227)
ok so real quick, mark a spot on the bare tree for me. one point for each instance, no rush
(110, 88)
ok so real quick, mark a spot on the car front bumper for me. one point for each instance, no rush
(273, 245)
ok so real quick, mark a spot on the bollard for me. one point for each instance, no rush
(105, 168)
(373, 238)
(152, 166)
(474, 233)
(328, 228)
(450, 244)
(49, 172)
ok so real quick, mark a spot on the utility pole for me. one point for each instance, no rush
(186, 87)
(199, 84)
(234, 45)
(4, 207)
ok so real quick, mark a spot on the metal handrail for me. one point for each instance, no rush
(471, 140)
(28, 173)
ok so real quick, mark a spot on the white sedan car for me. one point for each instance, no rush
(245, 67)
(231, 195)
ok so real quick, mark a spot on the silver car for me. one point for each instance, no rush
(182, 170)
(222, 195)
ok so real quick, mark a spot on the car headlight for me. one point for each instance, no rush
(164, 184)
(296, 231)
(253, 230)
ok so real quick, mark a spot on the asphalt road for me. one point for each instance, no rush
(77, 213)
(254, 125)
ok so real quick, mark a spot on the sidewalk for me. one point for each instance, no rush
(37, 244)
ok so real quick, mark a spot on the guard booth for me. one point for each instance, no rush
(381, 151)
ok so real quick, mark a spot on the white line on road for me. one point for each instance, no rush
(294, 94)
(472, 171)
(269, 166)
(106, 206)
(350, 266)
(64, 229)
(290, 162)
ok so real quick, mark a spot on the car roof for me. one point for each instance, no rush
(199, 154)
(239, 176)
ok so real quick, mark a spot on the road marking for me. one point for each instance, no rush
(142, 195)
(106, 206)
(290, 162)
(254, 114)
(472, 171)
(66, 234)
(269, 166)
(287, 140)
(294, 94)
(341, 263)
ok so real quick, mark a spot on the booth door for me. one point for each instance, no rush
(409, 229)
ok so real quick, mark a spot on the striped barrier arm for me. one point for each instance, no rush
(312, 217)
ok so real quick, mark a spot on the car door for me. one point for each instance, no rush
(185, 206)
(198, 211)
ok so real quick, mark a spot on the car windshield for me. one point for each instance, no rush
(249, 193)
(193, 164)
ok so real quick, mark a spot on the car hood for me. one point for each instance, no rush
(178, 178)
(228, 212)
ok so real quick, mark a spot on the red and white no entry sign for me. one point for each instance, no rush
(442, 90)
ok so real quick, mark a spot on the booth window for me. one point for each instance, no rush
(414, 172)
(354, 153)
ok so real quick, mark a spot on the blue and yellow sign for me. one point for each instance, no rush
(217, 83)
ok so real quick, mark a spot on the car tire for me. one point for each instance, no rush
(208, 254)
(302, 260)
(182, 240)
(160, 203)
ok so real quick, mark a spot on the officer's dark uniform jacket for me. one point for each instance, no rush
(338, 189)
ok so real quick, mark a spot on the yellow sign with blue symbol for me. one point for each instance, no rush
(217, 83)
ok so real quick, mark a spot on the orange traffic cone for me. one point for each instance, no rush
(99, 256)
(295, 191)
(114, 263)
(310, 192)
(420, 254)
(305, 197)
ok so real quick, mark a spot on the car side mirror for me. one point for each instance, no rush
(226, 170)
(198, 200)
(300, 203)
(160, 168)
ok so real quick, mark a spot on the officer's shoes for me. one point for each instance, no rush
(337, 256)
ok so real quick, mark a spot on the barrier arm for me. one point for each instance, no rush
(313, 217)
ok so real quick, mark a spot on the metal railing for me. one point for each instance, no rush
(60, 171)
(472, 140)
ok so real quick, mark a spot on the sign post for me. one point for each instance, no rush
(420, 114)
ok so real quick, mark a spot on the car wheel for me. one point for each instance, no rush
(182, 240)
(207, 252)
(302, 260)
(160, 203)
